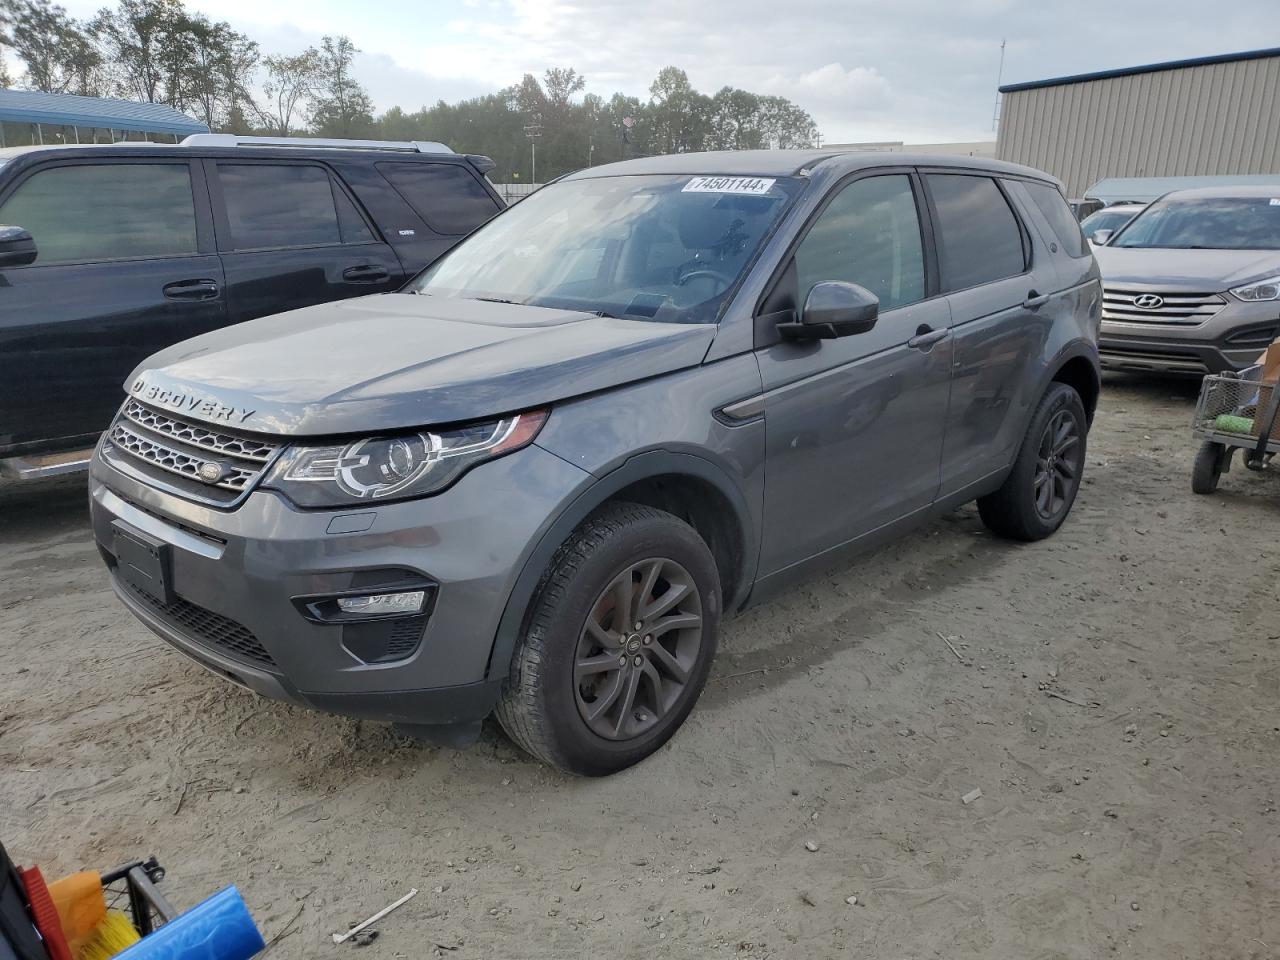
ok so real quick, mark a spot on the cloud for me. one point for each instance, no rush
(919, 70)
(858, 89)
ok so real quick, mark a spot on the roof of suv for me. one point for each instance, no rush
(217, 144)
(786, 163)
(1224, 193)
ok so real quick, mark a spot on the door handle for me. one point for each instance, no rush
(203, 289)
(926, 337)
(366, 273)
(1035, 300)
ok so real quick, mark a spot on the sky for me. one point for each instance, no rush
(918, 71)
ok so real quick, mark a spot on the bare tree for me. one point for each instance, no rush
(290, 85)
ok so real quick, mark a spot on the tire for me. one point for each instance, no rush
(1207, 470)
(1042, 486)
(565, 701)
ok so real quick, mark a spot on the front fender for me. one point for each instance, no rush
(642, 466)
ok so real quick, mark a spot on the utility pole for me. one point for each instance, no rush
(533, 131)
(995, 111)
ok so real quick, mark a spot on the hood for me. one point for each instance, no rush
(1201, 271)
(403, 360)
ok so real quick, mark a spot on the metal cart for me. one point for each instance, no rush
(131, 889)
(1234, 412)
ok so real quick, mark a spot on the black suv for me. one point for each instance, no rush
(110, 252)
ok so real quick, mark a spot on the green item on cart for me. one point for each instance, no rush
(1232, 424)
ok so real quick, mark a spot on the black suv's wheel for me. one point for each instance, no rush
(617, 644)
(1038, 493)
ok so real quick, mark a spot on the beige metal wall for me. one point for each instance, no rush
(1221, 118)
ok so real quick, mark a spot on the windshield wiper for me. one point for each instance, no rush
(498, 300)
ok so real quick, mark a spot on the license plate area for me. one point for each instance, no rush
(142, 561)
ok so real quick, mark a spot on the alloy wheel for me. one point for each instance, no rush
(1057, 465)
(638, 649)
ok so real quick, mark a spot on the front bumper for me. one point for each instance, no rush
(237, 580)
(1231, 340)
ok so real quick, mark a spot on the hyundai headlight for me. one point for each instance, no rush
(378, 469)
(1260, 290)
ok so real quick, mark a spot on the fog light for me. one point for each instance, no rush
(381, 604)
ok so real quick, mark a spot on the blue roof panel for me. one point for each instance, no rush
(29, 106)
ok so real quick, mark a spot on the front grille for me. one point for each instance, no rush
(205, 627)
(161, 444)
(1178, 308)
(244, 448)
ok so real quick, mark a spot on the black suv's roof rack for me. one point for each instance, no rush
(312, 143)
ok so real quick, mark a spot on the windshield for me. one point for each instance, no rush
(1107, 220)
(663, 248)
(1218, 223)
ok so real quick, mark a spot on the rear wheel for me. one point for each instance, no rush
(617, 644)
(1042, 486)
(1207, 470)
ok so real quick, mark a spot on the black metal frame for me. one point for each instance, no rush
(146, 903)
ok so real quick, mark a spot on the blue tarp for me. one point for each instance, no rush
(26, 106)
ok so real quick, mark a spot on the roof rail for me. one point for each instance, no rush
(232, 140)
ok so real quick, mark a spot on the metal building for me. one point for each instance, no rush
(29, 117)
(1209, 116)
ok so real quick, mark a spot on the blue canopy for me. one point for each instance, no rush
(63, 109)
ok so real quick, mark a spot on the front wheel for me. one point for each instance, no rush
(1207, 470)
(1042, 486)
(617, 644)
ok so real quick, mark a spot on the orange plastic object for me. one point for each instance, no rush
(80, 905)
(44, 913)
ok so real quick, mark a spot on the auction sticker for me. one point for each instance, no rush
(752, 186)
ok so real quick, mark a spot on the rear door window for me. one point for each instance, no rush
(979, 238)
(285, 205)
(445, 195)
(106, 211)
(1055, 209)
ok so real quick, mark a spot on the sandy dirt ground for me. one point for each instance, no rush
(1114, 698)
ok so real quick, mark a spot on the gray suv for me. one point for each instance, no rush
(534, 479)
(1192, 283)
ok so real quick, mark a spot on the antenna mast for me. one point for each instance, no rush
(995, 111)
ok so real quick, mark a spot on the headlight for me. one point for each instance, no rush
(1262, 290)
(396, 467)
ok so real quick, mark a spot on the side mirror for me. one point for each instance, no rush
(834, 309)
(1100, 237)
(17, 248)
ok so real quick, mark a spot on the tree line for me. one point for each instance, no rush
(158, 51)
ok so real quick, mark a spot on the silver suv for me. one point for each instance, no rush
(1192, 283)
(534, 479)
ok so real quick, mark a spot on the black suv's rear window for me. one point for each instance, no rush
(1065, 226)
(278, 205)
(446, 195)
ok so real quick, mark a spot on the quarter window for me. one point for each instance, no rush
(278, 206)
(107, 211)
(1065, 225)
(979, 238)
(445, 195)
(869, 235)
